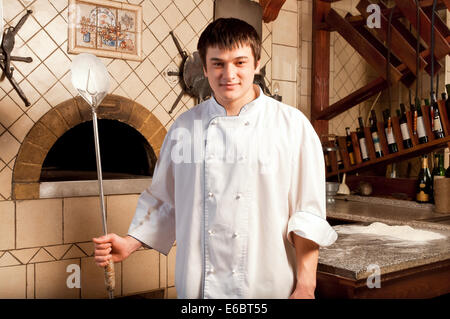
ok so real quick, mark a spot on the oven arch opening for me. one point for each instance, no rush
(125, 154)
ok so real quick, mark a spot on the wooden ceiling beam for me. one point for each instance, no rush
(361, 45)
(408, 8)
(360, 20)
(399, 46)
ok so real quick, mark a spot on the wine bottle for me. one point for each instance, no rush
(348, 142)
(392, 145)
(424, 188)
(447, 102)
(438, 168)
(419, 125)
(447, 171)
(407, 143)
(374, 133)
(362, 140)
(436, 118)
(339, 161)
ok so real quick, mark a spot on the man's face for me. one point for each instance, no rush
(230, 74)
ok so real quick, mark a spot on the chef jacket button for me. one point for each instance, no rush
(235, 235)
(210, 195)
(233, 271)
(242, 158)
(247, 123)
(210, 232)
(211, 271)
(238, 195)
(214, 122)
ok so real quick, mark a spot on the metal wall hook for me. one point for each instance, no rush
(6, 48)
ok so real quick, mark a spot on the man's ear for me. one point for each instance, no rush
(258, 66)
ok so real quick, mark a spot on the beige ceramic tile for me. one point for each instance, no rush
(21, 127)
(163, 271)
(7, 227)
(42, 256)
(38, 109)
(30, 28)
(288, 91)
(185, 6)
(161, 4)
(29, 91)
(30, 282)
(171, 267)
(5, 182)
(57, 251)
(9, 111)
(159, 88)
(160, 28)
(42, 79)
(56, 31)
(149, 12)
(120, 212)
(82, 219)
(87, 248)
(34, 216)
(24, 255)
(146, 72)
(43, 11)
(141, 272)
(58, 63)
(286, 21)
(291, 5)
(74, 252)
(172, 16)
(147, 100)
(172, 293)
(159, 58)
(207, 9)
(197, 21)
(149, 42)
(13, 282)
(11, 9)
(52, 278)
(133, 85)
(284, 63)
(93, 282)
(184, 32)
(119, 69)
(43, 44)
(57, 94)
(8, 260)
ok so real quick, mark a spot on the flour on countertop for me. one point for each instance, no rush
(399, 232)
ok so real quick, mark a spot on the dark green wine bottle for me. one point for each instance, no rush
(424, 187)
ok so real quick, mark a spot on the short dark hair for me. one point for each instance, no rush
(229, 33)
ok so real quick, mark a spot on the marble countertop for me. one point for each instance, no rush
(366, 209)
(352, 254)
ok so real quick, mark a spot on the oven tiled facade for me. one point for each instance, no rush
(45, 241)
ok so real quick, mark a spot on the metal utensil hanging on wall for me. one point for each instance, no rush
(91, 79)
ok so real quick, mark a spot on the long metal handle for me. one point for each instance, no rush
(109, 269)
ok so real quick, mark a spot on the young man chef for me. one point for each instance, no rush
(239, 184)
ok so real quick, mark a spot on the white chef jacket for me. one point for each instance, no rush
(230, 190)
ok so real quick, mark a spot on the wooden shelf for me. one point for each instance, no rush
(402, 154)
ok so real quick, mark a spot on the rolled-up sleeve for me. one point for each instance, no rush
(153, 223)
(307, 202)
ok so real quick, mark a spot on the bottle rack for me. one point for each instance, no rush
(387, 158)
